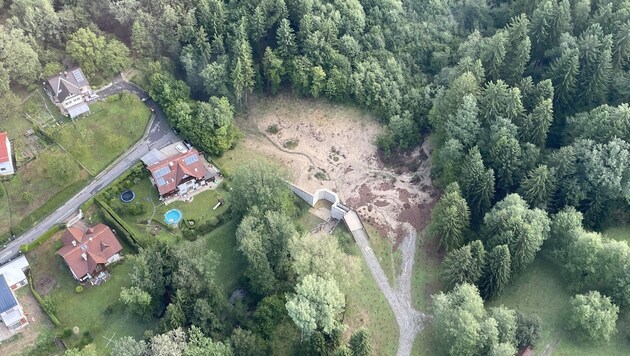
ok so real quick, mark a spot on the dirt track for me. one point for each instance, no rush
(332, 146)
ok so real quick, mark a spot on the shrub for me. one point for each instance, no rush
(67, 332)
(273, 129)
(79, 289)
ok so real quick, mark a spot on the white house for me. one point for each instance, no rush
(6, 161)
(11, 313)
(71, 91)
(14, 274)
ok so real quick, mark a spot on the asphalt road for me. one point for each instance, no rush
(159, 135)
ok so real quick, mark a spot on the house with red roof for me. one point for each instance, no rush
(88, 253)
(6, 159)
(178, 170)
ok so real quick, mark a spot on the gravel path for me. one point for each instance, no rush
(410, 321)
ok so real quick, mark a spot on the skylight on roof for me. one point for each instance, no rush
(191, 159)
(162, 172)
(160, 182)
(78, 75)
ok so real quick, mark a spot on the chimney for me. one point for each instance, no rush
(65, 74)
(170, 164)
(74, 243)
(84, 256)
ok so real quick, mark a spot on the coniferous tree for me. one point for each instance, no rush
(477, 183)
(360, 343)
(273, 69)
(564, 72)
(463, 265)
(242, 66)
(539, 187)
(286, 40)
(497, 272)
(517, 51)
(537, 123)
(450, 218)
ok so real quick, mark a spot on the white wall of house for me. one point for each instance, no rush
(72, 100)
(6, 168)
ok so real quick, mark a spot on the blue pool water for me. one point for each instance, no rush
(173, 216)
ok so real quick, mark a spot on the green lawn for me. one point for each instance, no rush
(200, 209)
(98, 139)
(46, 195)
(222, 240)
(383, 248)
(231, 160)
(367, 307)
(425, 279)
(620, 233)
(87, 310)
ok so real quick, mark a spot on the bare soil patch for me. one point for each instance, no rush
(336, 150)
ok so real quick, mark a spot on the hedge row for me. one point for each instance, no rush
(52, 316)
(40, 240)
(87, 205)
(110, 215)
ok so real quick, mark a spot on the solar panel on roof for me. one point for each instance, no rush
(160, 182)
(191, 159)
(78, 75)
(162, 172)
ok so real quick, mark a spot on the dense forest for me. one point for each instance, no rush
(525, 104)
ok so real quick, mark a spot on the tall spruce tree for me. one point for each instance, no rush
(477, 183)
(497, 272)
(450, 218)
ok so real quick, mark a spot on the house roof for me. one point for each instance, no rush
(4, 149)
(154, 156)
(97, 244)
(67, 83)
(14, 271)
(169, 173)
(7, 299)
(76, 110)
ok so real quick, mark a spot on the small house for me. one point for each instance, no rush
(70, 91)
(88, 253)
(6, 156)
(11, 312)
(14, 272)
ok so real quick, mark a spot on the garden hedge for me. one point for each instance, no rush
(43, 238)
(52, 316)
(114, 219)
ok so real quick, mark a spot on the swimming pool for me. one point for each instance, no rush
(173, 217)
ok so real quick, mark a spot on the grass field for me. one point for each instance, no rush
(367, 307)
(619, 233)
(87, 310)
(46, 195)
(222, 240)
(383, 248)
(541, 290)
(98, 139)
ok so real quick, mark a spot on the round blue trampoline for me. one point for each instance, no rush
(173, 217)
(127, 196)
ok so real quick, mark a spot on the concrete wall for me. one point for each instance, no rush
(337, 211)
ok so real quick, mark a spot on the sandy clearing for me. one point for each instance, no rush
(326, 145)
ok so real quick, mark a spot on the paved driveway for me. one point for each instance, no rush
(159, 135)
